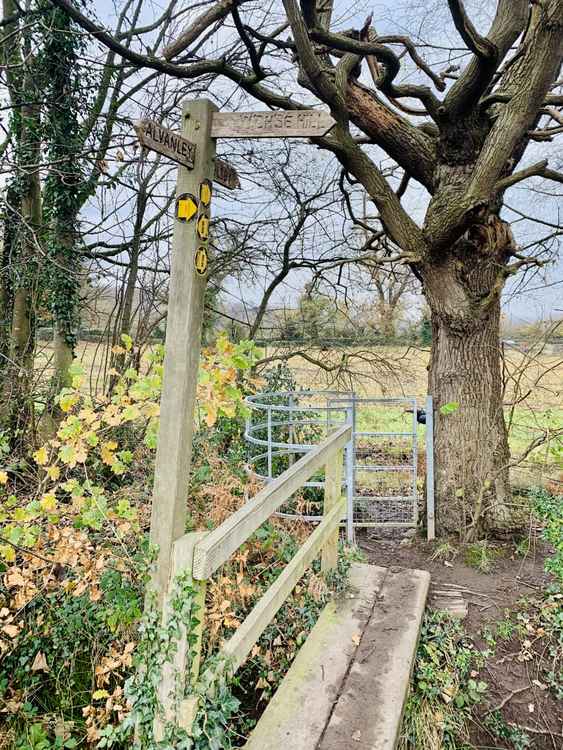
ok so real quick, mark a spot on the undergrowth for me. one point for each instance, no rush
(74, 561)
(448, 699)
(445, 687)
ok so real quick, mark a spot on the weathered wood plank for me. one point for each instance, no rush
(153, 136)
(226, 175)
(220, 544)
(181, 364)
(332, 495)
(290, 123)
(240, 644)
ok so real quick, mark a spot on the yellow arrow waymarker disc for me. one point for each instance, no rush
(205, 192)
(186, 207)
(200, 261)
(203, 226)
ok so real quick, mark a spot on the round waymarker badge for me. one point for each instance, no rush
(205, 191)
(203, 226)
(201, 261)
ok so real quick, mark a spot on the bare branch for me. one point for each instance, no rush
(479, 45)
(510, 21)
(216, 13)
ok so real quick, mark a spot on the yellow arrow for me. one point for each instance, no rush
(186, 207)
(203, 226)
(205, 192)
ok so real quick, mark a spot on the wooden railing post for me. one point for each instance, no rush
(332, 496)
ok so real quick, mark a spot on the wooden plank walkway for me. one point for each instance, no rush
(348, 685)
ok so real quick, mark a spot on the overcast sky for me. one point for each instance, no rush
(428, 21)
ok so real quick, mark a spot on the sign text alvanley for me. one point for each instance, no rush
(153, 136)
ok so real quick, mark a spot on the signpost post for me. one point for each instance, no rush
(194, 151)
(183, 333)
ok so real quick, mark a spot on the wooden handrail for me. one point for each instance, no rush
(237, 648)
(202, 555)
(220, 544)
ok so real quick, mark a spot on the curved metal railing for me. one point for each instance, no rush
(284, 425)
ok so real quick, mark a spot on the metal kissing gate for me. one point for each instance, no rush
(381, 475)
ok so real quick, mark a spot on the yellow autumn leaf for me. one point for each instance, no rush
(40, 456)
(7, 552)
(67, 401)
(53, 472)
(106, 452)
(211, 416)
(151, 409)
(81, 453)
(48, 502)
(118, 349)
(3, 477)
(87, 415)
(112, 415)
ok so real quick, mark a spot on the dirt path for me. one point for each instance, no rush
(516, 672)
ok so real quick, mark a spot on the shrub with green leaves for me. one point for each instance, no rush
(550, 509)
(445, 687)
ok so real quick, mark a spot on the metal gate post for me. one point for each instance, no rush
(430, 510)
(350, 483)
(291, 431)
(269, 443)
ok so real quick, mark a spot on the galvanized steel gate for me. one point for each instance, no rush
(381, 476)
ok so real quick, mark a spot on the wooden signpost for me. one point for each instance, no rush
(153, 136)
(293, 123)
(194, 151)
(226, 175)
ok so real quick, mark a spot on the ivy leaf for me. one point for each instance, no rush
(449, 408)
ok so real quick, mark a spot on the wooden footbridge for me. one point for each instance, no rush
(351, 677)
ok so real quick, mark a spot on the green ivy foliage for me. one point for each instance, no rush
(66, 186)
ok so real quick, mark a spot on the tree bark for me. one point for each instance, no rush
(471, 442)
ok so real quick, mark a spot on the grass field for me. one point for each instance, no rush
(535, 382)
(533, 394)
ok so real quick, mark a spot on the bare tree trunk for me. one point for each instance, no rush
(387, 320)
(465, 379)
(63, 354)
(18, 401)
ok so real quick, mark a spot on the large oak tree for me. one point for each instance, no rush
(464, 149)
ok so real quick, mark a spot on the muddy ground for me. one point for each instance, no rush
(515, 674)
